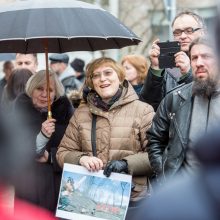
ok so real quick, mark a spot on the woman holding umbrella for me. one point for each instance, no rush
(108, 130)
(40, 181)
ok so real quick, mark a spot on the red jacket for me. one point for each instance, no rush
(22, 210)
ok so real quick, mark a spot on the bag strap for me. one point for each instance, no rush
(93, 135)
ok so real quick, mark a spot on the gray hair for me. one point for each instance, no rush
(197, 17)
(39, 79)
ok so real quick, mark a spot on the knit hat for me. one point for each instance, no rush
(78, 65)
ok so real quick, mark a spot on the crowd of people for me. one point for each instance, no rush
(124, 117)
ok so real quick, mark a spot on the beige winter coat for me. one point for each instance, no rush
(120, 134)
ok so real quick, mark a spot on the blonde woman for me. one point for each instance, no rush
(40, 181)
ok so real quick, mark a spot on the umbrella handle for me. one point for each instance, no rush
(49, 114)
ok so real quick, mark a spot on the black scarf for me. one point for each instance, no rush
(99, 103)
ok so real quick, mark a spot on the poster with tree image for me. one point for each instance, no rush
(88, 195)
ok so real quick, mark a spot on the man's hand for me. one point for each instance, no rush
(91, 163)
(154, 55)
(117, 166)
(183, 62)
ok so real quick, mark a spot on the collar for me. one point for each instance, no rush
(184, 92)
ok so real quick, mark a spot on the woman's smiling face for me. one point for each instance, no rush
(106, 82)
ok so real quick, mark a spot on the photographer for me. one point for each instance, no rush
(185, 115)
(186, 26)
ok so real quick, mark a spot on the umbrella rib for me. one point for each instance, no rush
(26, 48)
(59, 43)
(116, 43)
(90, 44)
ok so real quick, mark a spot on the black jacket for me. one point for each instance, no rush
(155, 88)
(39, 183)
(168, 135)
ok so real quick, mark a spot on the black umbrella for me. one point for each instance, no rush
(57, 26)
(68, 24)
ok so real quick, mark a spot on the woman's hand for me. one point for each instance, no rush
(91, 163)
(44, 158)
(118, 166)
(48, 127)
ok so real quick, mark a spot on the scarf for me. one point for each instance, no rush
(99, 103)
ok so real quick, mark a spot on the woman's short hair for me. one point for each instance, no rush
(17, 82)
(39, 79)
(103, 61)
(139, 62)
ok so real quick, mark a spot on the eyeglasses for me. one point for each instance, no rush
(106, 73)
(188, 31)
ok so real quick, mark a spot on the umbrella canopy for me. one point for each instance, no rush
(68, 25)
(58, 26)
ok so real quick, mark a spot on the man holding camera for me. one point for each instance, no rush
(186, 26)
(184, 115)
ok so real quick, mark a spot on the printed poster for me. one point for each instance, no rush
(88, 195)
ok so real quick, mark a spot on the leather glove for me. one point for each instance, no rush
(117, 166)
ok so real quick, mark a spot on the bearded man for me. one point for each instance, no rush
(184, 115)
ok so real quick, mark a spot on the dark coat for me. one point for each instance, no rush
(3, 82)
(41, 181)
(81, 77)
(169, 133)
(155, 88)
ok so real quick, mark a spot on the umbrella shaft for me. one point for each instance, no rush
(48, 79)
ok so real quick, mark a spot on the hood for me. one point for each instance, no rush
(128, 95)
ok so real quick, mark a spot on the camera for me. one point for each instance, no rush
(167, 51)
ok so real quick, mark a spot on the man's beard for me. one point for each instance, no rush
(204, 88)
